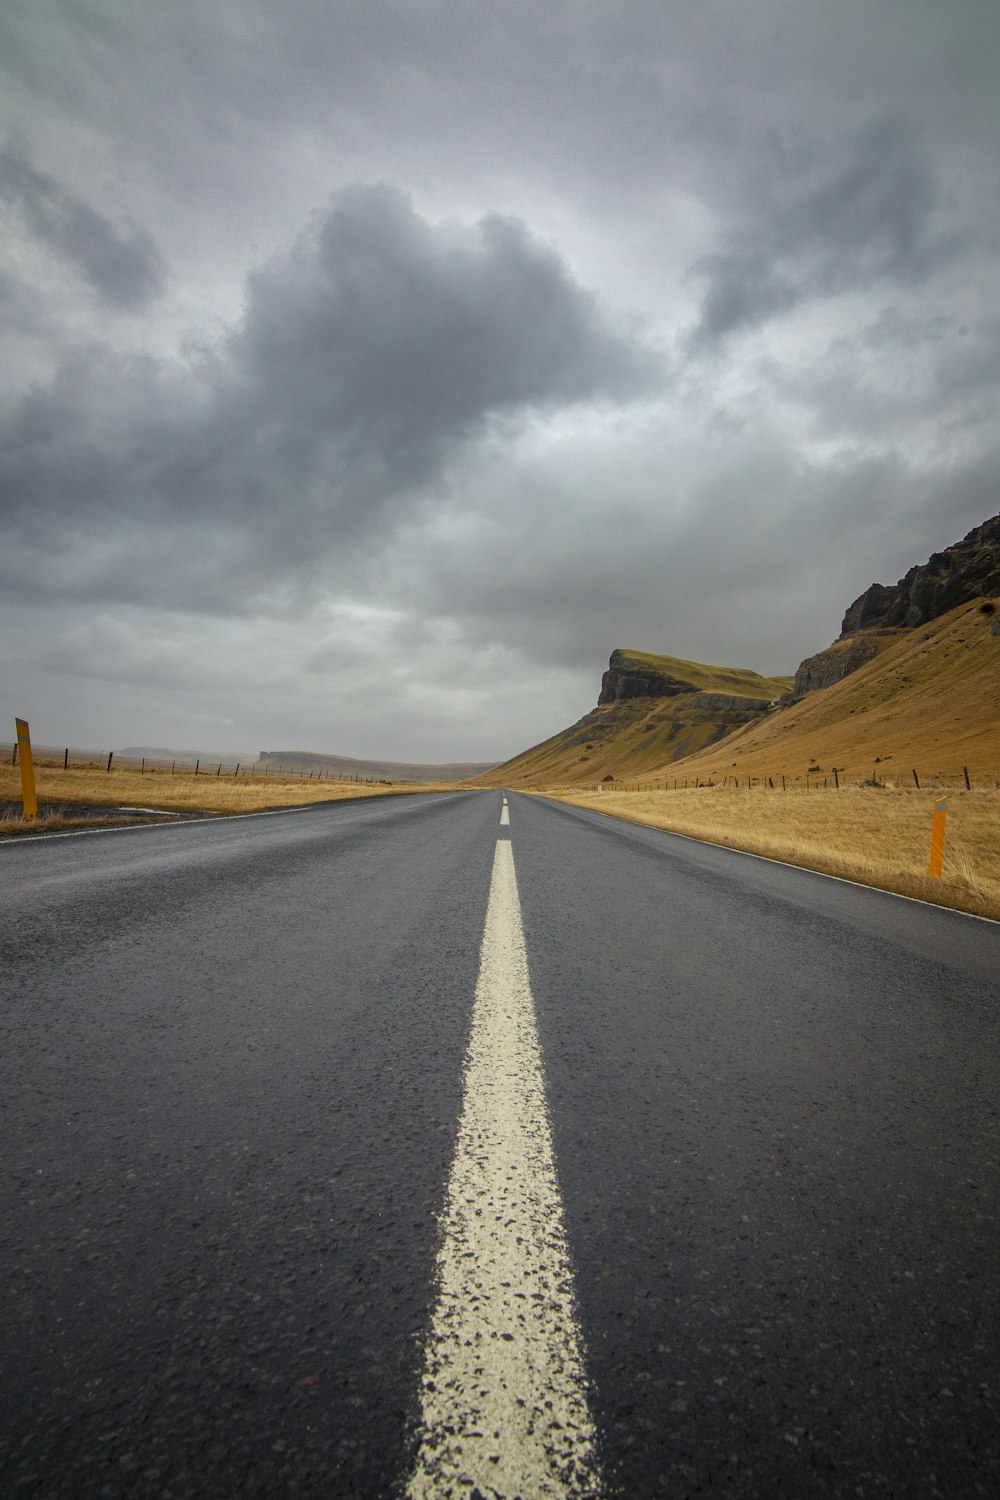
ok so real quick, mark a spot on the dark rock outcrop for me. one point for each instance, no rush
(967, 570)
(829, 666)
(731, 704)
(628, 678)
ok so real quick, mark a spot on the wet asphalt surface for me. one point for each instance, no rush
(231, 1074)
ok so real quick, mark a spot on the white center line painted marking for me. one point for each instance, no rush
(504, 816)
(503, 1399)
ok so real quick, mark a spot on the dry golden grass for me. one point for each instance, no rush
(183, 792)
(877, 836)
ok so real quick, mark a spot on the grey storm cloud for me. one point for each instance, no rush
(872, 214)
(831, 220)
(741, 290)
(122, 265)
(402, 337)
(366, 356)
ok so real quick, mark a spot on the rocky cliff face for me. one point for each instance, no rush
(731, 704)
(829, 666)
(630, 679)
(965, 571)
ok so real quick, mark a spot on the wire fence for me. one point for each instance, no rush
(111, 760)
(834, 779)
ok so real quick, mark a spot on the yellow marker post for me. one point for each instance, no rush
(937, 835)
(29, 802)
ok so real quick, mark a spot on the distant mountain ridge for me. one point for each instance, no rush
(370, 770)
(160, 753)
(347, 766)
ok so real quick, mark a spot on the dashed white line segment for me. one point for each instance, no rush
(503, 1398)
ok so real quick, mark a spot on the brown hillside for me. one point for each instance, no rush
(929, 700)
(652, 710)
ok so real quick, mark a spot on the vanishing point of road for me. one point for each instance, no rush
(435, 1146)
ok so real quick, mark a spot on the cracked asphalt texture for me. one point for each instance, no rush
(231, 1074)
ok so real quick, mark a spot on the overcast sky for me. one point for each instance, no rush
(371, 370)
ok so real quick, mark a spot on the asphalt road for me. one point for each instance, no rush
(233, 1074)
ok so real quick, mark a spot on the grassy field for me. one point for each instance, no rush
(183, 792)
(879, 836)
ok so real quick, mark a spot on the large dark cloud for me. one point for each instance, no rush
(366, 357)
(398, 339)
(120, 263)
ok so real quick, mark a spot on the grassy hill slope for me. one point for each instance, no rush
(628, 737)
(929, 701)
